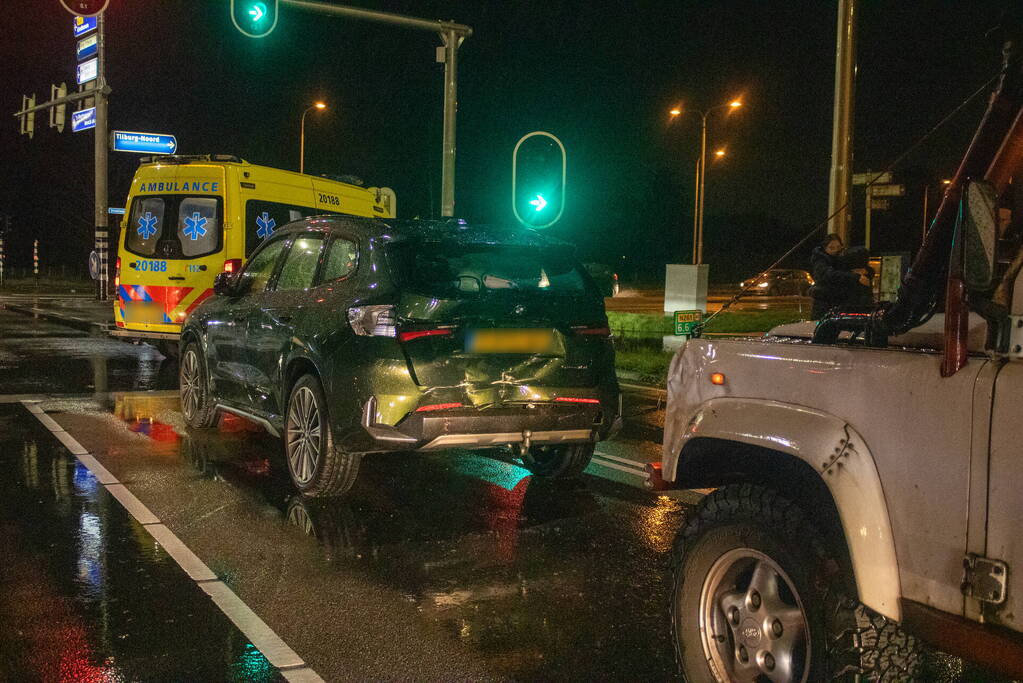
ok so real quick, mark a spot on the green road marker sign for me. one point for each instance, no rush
(685, 321)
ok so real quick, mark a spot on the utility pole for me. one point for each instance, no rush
(451, 36)
(841, 140)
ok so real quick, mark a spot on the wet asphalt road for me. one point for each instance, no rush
(438, 566)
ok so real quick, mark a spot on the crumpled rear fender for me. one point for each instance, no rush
(837, 453)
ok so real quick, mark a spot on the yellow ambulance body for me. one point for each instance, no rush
(188, 218)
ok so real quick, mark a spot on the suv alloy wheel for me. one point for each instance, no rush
(316, 467)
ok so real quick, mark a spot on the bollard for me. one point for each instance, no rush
(35, 258)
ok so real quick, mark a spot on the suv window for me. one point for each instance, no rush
(258, 271)
(341, 260)
(300, 263)
(453, 270)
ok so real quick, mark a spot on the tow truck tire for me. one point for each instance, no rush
(194, 388)
(742, 538)
(317, 468)
(565, 461)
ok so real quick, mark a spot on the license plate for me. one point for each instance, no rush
(510, 341)
(143, 312)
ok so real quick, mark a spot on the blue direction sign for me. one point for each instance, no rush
(83, 119)
(87, 47)
(143, 143)
(84, 24)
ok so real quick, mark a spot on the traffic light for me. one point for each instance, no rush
(84, 8)
(254, 18)
(538, 180)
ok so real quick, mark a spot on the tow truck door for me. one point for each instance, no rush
(1004, 541)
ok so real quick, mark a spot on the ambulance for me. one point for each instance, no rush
(187, 218)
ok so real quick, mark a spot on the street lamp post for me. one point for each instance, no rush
(301, 137)
(701, 164)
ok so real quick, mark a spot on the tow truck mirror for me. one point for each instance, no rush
(980, 233)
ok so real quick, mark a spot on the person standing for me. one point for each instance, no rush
(835, 283)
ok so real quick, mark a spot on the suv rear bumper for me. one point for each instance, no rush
(483, 428)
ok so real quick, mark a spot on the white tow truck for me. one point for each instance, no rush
(868, 468)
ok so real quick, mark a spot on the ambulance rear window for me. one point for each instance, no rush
(196, 227)
(146, 226)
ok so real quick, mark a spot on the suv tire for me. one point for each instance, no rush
(317, 468)
(751, 569)
(559, 462)
(196, 403)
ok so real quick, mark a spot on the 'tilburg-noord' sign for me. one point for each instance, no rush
(142, 143)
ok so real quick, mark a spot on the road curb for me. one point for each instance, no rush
(60, 318)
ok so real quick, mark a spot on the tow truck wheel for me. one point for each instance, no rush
(196, 403)
(757, 596)
(564, 461)
(316, 467)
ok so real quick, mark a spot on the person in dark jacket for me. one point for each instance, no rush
(836, 284)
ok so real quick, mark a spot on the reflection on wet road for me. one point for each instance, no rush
(76, 568)
(42, 357)
(436, 566)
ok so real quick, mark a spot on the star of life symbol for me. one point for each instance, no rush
(265, 225)
(147, 225)
(195, 226)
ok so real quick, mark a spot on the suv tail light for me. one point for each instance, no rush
(372, 321)
(232, 265)
(117, 274)
(593, 331)
(409, 335)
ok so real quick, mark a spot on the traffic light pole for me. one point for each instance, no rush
(102, 151)
(451, 36)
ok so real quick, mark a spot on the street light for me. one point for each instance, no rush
(701, 163)
(301, 138)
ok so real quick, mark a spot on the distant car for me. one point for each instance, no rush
(779, 282)
(605, 278)
(350, 336)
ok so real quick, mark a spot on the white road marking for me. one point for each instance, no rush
(273, 647)
(624, 461)
(613, 465)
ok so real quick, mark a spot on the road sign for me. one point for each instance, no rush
(880, 204)
(685, 321)
(115, 211)
(94, 265)
(887, 190)
(83, 119)
(85, 8)
(87, 71)
(84, 24)
(87, 47)
(143, 143)
(868, 177)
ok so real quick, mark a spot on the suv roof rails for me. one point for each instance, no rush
(186, 158)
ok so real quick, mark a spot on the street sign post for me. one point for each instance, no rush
(685, 321)
(88, 70)
(85, 8)
(871, 177)
(888, 190)
(84, 24)
(142, 143)
(83, 119)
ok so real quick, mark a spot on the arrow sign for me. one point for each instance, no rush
(143, 143)
(539, 202)
(257, 11)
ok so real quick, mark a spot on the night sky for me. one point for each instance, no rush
(601, 76)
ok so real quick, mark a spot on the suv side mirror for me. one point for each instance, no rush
(979, 234)
(224, 284)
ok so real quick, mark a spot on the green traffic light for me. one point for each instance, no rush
(540, 203)
(257, 11)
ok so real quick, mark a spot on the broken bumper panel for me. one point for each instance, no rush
(471, 427)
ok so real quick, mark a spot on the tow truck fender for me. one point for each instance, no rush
(839, 456)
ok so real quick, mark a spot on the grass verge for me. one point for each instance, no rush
(46, 285)
(652, 326)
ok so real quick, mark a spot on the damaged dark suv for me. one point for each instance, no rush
(349, 336)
